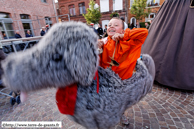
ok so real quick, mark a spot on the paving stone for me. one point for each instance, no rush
(178, 124)
(184, 120)
(170, 122)
(172, 127)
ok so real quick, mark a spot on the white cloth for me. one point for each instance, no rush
(125, 26)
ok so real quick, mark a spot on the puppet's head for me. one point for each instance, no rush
(66, 54)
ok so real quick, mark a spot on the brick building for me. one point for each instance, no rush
(25, 15)
(75, 8)
(153, 4)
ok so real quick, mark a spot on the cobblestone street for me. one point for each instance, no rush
(164, 108)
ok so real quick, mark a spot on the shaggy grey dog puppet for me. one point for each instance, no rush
(68, 54)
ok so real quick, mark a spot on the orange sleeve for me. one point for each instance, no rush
(137, 34)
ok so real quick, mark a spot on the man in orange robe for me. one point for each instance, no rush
(127, 50)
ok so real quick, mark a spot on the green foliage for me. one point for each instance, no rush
(142, 24)
(139, 9)
(93, 14)
(114, 14)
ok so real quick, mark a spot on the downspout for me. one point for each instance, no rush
(55, 11)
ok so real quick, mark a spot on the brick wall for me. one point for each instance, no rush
(34, 8)
(63, 9)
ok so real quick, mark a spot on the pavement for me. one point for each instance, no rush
(163, 108)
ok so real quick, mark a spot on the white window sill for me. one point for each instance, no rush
(153, 6)
(150, 7)
(104, 11)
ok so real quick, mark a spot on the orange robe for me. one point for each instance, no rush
(127, 52)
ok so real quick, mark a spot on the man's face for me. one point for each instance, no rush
(146, 24)
(115, 26)
(105, 26)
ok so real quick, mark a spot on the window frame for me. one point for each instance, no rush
(24, 15)
(73, 9)
(83, 8)
(7, 15)
(44, 1)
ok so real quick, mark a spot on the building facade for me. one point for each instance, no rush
(75, 8)
(154, 5)
(25, 15)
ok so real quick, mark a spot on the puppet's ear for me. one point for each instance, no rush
(67, 54)
(82, 55)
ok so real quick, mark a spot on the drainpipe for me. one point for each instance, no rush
(127, 10)
(55, 11)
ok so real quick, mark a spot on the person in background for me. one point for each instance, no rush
(137, 25)
(4, 35)
(17, 35)
(125, 24)
(92, 26)
(28, 34)
(105, 32)
(42, 33)
(100, 30)
(47, 28)
(132, 26)
(147, 25)
(150, 22)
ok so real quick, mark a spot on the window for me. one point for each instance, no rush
(153, 3)
(4, 15)
(44, 1)
(8, 31)
(72, 10)
(104, 5)
(48, 21)
(24, 16)
(151, 16)
(131, 3)
(133, 21)
(47, 18)
(117, 5)
(6, 27)
(82, 9)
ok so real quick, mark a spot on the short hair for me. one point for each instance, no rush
(120, 20)
(105, 24)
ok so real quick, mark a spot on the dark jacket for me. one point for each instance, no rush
(42, 33)
(17, 36)
(29, 35)
(100, 31)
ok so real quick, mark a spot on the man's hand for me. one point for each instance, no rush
(117, 36)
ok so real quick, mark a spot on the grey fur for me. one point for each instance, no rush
(104, 110)
(66, 54)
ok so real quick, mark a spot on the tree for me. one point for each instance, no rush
(93, 14)
(114, 14)
(139, 9)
